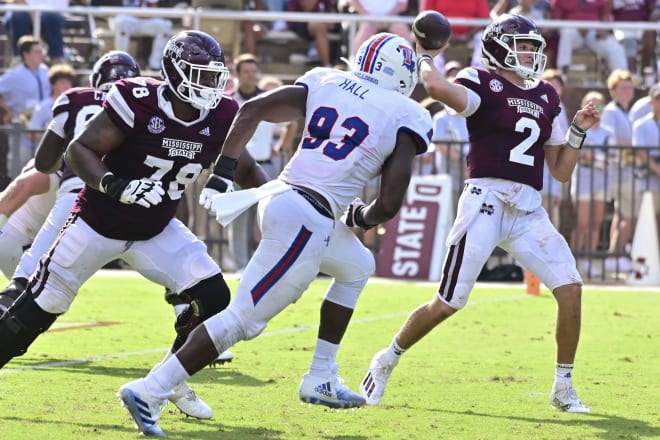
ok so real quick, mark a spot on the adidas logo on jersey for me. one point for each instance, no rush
(324, 389)
(205, 132)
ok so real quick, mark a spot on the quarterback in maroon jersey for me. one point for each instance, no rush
(136, 156)
(512, 126)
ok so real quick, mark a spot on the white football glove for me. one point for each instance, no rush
(214, 186)
(144, 192)
(354, 217)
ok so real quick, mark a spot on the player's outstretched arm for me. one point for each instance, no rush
(435, 83)
(20, 189)
(278, 105)
(395, 178)
(48, 157)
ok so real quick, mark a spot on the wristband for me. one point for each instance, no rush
(225, 167)
(423, 57)
(575, 137)
(359, 219)
(105, 181)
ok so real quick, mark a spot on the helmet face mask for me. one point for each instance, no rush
(111, 67)
(388, 61)
(501, 40)
(194, 69)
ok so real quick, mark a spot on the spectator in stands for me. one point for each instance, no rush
(21, 88)
(640, 108)
(315, 31)
(124, 26)
(634, 10)
(601, 41)
(528, 9)
(61, 78)
(26, 84)
(588, 189)
(251, 30)
(646, 133)
(615, 118)
(469, 36)
(552, 189)
(373, 8)
(52, 26)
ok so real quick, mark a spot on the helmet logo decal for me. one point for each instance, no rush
(407, 53)
(156, 125)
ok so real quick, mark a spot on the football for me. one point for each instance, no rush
(431, 29)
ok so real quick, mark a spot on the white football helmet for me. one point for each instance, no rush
(388, 61)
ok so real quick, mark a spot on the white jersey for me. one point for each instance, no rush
(351, 128)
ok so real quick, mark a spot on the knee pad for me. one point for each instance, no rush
(345, 293)
(20, 325)
(205, 299)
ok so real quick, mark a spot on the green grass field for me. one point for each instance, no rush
(485, 374)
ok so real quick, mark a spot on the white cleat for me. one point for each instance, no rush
(564, 397)
(143, 407)
(223, 358)
(188, 403)
(373, 385)
(329, 391)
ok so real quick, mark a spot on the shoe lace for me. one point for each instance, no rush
(191, 396)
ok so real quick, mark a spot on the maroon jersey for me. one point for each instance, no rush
(510, 127)
(158, 146)
(78, 104)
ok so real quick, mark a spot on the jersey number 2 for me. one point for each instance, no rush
(518, 154)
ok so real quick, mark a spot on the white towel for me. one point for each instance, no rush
(228, 206)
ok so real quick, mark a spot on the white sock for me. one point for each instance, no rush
(161, 381)
(564, 373)
(396, 350)
(325, 354)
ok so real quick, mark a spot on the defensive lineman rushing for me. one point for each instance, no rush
(136, 156)
(511, 118)
(358, 125)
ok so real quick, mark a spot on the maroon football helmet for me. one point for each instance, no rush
(111, 67)
(194, 68)
(499, 43)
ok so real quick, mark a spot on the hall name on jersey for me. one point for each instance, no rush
(178, 147)
(525, 106)
(354, 88)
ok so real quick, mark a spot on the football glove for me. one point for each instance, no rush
(143, 192)
(355, 215)
(214, 186)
